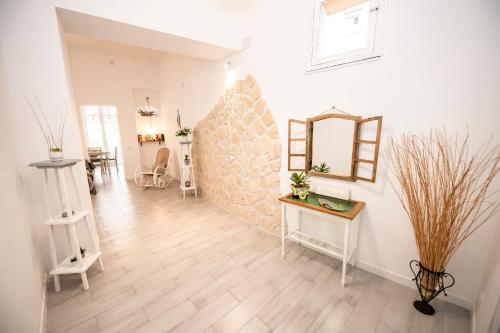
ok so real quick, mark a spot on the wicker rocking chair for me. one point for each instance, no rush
(157, 176)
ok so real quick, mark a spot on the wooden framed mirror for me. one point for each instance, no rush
(336, 146)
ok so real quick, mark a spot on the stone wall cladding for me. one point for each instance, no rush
(237, 156)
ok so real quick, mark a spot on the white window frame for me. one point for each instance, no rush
(373, 51)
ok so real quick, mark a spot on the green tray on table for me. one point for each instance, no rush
(336, 204)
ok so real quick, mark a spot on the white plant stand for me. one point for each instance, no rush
(68, 217)
(187, 171)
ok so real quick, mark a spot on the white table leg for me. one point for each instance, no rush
(355, 241)
(53, 258)
(79, 257)
(299, 222)
(347, 230)
(283, 226)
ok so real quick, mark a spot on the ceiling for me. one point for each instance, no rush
(90, 31)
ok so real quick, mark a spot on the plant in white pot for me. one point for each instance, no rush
(184, 134)
(54, 139)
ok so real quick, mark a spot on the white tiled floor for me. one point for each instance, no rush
(187, 266)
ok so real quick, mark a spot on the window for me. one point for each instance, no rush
(346, 31)
(101, 127)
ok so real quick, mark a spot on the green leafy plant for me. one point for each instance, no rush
(300, 184)
(183, 131)
(322, 167)
(300, 180)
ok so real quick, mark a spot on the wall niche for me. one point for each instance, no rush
(237, 156)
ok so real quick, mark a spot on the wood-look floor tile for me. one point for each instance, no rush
(235, 319)
(188, 266)
(255, 326)
(170, 319)
(204, 318)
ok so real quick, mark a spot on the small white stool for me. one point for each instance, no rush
(68, 218)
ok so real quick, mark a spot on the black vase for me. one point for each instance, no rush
(429, 285)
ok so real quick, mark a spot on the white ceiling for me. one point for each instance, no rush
(93, 32)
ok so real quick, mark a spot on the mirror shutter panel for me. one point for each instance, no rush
(296, 139)
(374, 142)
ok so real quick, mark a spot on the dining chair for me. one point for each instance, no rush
(96, 157)
(114, 158)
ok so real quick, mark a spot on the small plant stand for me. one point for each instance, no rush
(187, 171)
(68, 218)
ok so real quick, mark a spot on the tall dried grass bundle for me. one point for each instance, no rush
(444, 191)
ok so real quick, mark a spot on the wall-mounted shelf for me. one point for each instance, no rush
(141, 138)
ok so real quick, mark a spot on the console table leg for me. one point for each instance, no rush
(283, 226)
(347, 229)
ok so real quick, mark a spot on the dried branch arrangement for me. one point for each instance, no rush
(54, 139)
(444, 190)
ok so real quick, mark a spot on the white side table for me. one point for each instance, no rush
(68, 217)
(350, 221)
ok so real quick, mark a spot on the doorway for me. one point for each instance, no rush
(102, 130)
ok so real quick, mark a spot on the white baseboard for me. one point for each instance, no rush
(407, 281)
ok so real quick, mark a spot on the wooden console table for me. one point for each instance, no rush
(349, 219)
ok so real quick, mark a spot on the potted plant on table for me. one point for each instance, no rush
(53, 139)
(444, 191)
(300, 184)
(184, 134)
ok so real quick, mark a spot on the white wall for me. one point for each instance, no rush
(33, 58)
(440, 67)
(487, 305)
(192, 86)
(97, 82)
(22, 291)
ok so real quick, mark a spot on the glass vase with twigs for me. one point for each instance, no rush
(54, 139)
(445, 190)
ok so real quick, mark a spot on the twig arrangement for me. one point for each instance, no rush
(54, 139)
(444, 190)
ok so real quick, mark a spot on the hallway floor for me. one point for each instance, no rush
(187, 266)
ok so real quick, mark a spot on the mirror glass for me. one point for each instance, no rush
(332, 146)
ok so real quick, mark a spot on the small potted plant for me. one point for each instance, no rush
(322, 167)
(184, 134)
(300, 184)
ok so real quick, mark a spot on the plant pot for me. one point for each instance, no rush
(429, 285)
(56, 156)
(298, 191)
(184, 138)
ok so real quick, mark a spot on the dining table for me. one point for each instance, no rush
(102, 157)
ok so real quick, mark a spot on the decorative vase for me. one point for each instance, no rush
(56, 155)
(429, 285)
(186, 160)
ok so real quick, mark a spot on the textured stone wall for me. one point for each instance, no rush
(237, 156)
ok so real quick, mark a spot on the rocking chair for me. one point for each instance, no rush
(157, 176)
